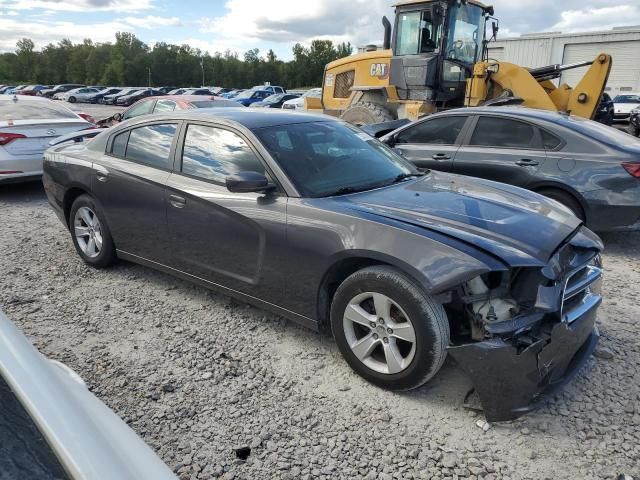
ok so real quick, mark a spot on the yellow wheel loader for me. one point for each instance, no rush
(437, 58)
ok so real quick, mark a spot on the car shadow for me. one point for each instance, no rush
(622, 243)
(22, 193)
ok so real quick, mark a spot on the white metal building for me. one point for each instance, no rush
(540, 49)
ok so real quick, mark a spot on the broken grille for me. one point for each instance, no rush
(578, 297)
(343, 84)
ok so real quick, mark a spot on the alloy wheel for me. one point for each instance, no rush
(88, 232)
(379, 333)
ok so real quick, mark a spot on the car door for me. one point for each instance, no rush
(130, 182)
(230, 239)
(431, 143)
(503, 149)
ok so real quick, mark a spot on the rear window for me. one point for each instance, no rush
(214, 103)
(42, 110)
(627, 99)
(598, 131)
(23, 449)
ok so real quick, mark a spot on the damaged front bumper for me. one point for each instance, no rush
(525, 360)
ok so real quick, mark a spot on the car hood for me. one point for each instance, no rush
(624, 107)
(518, 226)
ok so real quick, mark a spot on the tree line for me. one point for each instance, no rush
(130, 62)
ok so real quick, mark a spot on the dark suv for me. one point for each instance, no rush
(62, 88)
(592, 169)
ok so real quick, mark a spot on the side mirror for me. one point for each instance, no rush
(495, 28)
(390, 141)
(245, 182)
(117, 117)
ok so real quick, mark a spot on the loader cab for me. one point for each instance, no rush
(435, 45)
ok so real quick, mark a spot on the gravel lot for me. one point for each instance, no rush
(199, 375)
(96, 110)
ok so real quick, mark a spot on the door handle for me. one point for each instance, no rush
(102, 176)
(527, 162)
(441, 156)
(177, 201)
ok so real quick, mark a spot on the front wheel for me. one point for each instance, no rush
(72, 99)
(90, 233)
(388, 329)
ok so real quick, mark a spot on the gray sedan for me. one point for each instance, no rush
(592, 169)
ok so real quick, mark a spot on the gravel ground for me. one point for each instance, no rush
(203, 378)
(96, 110)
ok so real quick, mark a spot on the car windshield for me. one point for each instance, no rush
(332, 158)
(627, 99)
(246, 94)
(109, 90)
(21, 110)
(274, 98)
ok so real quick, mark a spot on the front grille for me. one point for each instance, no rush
(579, 295)
(343, 84)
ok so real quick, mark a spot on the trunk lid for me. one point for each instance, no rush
(38, 134)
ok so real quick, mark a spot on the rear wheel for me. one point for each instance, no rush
(565, 199)
(388, 329)
(72, 99)
(90, 233)
(366, 113)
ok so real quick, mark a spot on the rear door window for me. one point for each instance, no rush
(438, 131)
(212, 153)
(549, 141)
(503, 132)
(151, 145)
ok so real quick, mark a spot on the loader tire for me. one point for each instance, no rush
(366, 113)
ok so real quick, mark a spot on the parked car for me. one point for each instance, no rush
(32, 90)
(98, 96)
(402, 266)
(270, 88)
(5, 88)
(177, 91)
(623, 104)
(298, 103)
(80, 95)
(166, 90)
(164, 104)
(605, 111)
(62, 88)
(248, 97)
(197, 91)
(27, 125)
(111, 99)
(274, 101)
(55, 428)
(232, 93)
(634, 122)
(136, 95)
(591, 169)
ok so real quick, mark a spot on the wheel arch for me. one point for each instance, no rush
(549, 185)
(69, 197)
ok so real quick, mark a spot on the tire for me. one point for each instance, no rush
(366, 113)
(633, 130)
(409, 308)
(72, 99)
(83, 227)
(565, 199)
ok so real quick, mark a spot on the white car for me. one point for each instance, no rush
(27, 125)
(81, 95)
(623, 104)
(298, 103)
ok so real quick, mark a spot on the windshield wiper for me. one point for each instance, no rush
(404, 176)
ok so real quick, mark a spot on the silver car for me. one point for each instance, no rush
(58, 429)
(27, 125)
(80, 95)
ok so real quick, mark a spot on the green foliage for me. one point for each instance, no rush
(128, 60)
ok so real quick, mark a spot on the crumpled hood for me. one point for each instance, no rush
(520, 227)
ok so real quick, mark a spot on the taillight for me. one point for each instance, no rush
(633, 168)
(87, 117)
(9, 137)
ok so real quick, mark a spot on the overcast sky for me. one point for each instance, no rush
(239, 25)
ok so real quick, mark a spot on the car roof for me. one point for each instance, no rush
(518, 111)
(23, 98)
(249, 118)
